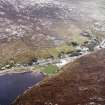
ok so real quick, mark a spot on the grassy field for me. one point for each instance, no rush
(50, 69)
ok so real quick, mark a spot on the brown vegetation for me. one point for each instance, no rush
(80, 83)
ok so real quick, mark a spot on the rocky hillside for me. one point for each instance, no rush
(27, 27)
(80, 83)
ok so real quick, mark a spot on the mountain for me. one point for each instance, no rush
(32, 26)
(78, 83)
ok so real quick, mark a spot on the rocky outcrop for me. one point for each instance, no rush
(79, 83)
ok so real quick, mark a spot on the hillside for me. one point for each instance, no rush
(29, 27)
(79, 83)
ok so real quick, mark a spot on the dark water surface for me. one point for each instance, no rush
(12, 85)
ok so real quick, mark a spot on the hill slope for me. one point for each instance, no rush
(81, 83)
(27, 26)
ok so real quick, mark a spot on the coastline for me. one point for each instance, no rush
(17, 70)
(11, 71)
(23, 69)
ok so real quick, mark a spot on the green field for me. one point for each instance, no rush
(49, 69)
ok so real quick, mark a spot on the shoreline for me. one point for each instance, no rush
(23, 69)
(9, 71)
(58, 62)
(17, 70)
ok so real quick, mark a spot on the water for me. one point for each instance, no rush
(12, 85)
